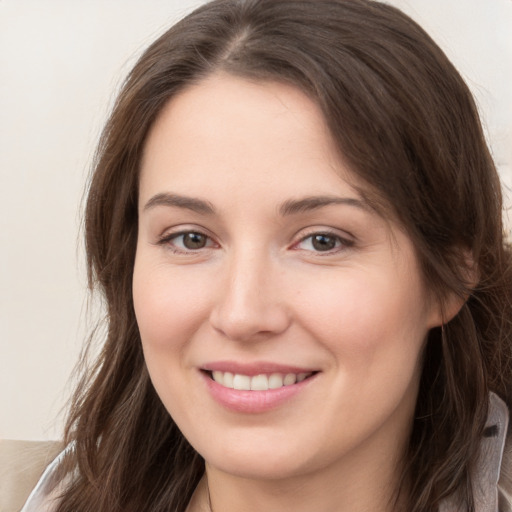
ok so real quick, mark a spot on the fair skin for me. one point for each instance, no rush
(257, 257)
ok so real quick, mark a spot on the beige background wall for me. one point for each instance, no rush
(60, 61)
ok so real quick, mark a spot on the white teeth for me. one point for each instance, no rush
(260, 382)
(275, 381)
(242, 382)
(218, 377)
(228, 380)
(289, 379)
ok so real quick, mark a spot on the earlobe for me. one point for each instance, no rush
(444, 309)
(448, 306)
(451, 306)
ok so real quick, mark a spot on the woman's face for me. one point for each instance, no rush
(282, 319)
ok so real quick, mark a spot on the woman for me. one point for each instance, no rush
(296, 225)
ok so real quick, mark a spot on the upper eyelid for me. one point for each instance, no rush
(342, 239)
(170, 236)
(166, 237)
(172, 231)
(319, 230)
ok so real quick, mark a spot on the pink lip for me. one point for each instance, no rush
(253, 402)
(252, 369)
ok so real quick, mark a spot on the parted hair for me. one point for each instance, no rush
(407, 125)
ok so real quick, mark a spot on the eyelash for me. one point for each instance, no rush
(341, 242)
(167, 240)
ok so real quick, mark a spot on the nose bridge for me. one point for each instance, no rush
(250, 303)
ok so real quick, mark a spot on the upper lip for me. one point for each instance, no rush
(255, 368)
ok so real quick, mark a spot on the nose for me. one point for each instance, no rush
(250, 303)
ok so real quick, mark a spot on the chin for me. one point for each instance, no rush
(263, 458)
(259, 467)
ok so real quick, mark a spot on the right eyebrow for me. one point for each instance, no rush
(292, 207)
(174, 200)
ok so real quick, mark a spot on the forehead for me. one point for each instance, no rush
(229, 133)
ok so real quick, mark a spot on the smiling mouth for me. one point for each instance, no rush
(261, 382)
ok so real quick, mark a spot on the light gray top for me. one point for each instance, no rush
(488, 495)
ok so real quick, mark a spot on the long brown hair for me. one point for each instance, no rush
(406, 123)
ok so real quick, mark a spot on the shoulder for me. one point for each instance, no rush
(491, 478)
(500, 443)
(505, 481)
(21, 465)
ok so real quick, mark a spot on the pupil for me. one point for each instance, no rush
(194, 241)
(324, 242)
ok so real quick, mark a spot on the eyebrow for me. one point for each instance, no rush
(289, 207)
(295, 206)
(189, 203)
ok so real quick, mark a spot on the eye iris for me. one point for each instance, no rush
(323, 242)
(194, 240)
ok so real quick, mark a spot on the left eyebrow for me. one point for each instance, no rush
(190, 203)
(295, 206)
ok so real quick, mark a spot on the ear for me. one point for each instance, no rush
(448, 304)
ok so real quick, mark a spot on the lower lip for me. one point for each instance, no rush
(253, 402)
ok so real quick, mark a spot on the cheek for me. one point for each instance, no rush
(169, 305)
(170, 309)
(375, 331)
(368, 320)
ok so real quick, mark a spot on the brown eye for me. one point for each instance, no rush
(187, 242)
(194, 240)
(322, 242)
